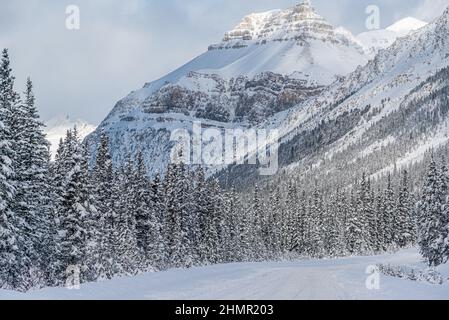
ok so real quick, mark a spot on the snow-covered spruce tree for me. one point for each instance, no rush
(445, 184)
(90, 220)
(57, 174)
(373, 221)
(224, 248)
(148, 203)
(211, 224)
(405, 234)
(431, 217)
(332, 222)
(33, 188)
(364, 214)
(126, 250)
(113, 265)
(388, 217)
(100, 228)
(219, 232)
(73, 211)
(245, 233)
(342, 209)
(232, 223)
(290, 216)
(256, 215)
(173, 224)
(15, 265)
(141, 210)
(353, 228)
(316, 227)
(381, 242)
(156, 248)
(274, 224)
(202, 207)
(8, 246)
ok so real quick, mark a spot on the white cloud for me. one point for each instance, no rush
(431, 9)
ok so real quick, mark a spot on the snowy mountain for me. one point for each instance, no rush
(56, 129)
(319, 119)
(375, 40)
(382, 117)
(270, 62)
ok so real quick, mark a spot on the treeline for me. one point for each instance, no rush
(351, 221)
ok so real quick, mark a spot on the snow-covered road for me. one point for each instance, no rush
(308, 279)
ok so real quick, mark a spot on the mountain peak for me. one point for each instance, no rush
(298, 23)
(406, 25)
(305, 5)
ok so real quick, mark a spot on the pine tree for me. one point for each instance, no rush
(332, 229)
(33, 184)
(74, 209)
(431, 217)
(100, 227)
(173, 215)
(233, 226)
(14, 263)
(316, 227)
(256, 216)
(214, 232)
(156, 246)
(141, 200)
(128, 253)
(274, 225)
(389, 215)
(202, 208)
(445, 219)
(354, 228)
(380, 212)
(364, 215)
(404, 222)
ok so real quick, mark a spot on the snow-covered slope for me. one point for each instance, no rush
(56, 129)
(405, 26)
(340, 279)
(373, 41)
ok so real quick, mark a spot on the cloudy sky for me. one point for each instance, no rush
(123, 44)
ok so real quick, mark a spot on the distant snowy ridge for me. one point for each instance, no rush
(375, 40)
(406, 25)
(56, 129)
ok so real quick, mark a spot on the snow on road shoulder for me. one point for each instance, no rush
(304, 279)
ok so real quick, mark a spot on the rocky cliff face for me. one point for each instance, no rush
(299, 23)
(241, 99)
